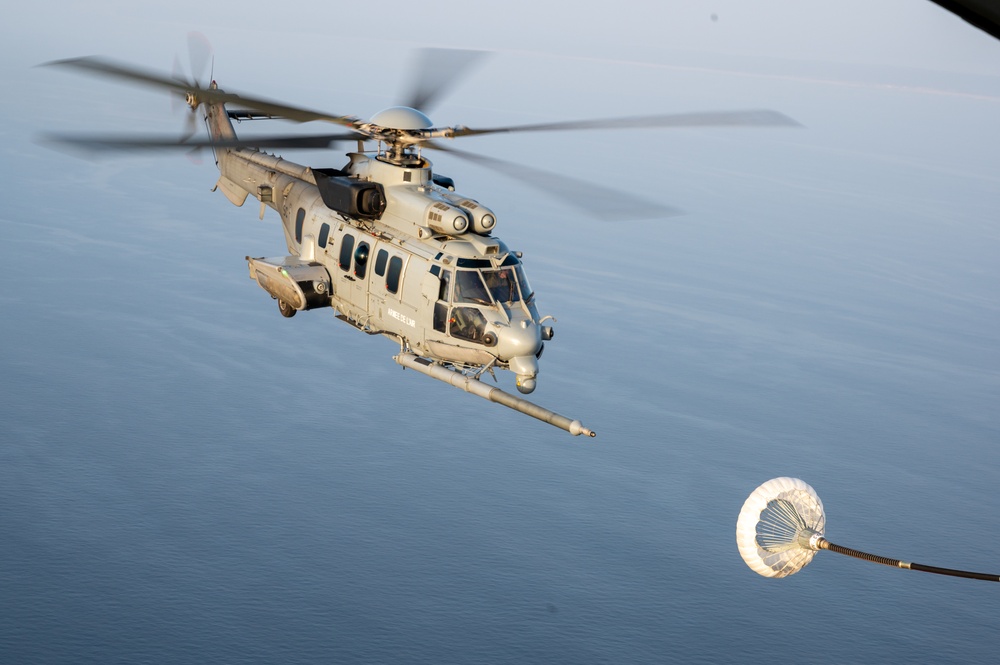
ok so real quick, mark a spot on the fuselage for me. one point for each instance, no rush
(425, 270)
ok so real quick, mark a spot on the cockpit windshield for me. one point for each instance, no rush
(485, 287)
(469, 287)
(504, 285)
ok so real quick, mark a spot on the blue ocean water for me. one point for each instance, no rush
(185, 476)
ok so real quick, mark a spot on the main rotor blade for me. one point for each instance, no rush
(100, 144)
(102, 67)
(436, 71)
(598, 201)
(753, 118)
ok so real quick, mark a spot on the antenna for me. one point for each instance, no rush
(780, 529)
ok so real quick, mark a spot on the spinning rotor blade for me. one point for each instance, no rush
(199, 56)
(176, 98)
(436, 71)
(179, 100)
(111, 69)
(598, 201)
(103, 67)
(102, 144)
(754, 118)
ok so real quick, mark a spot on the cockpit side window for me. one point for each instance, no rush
(441, 306)
(444, 292)
(468, 323)
(522, 281)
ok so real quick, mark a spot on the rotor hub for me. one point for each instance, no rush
(401, 117)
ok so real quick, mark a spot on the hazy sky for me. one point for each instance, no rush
(315, 53)
(895, 32)
(827, 309)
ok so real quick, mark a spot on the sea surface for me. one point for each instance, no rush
(188, 477)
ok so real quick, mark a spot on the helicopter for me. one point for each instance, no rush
(384, 241)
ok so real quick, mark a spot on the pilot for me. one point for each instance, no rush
(463, 325)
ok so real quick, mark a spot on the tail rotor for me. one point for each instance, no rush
(199, 58)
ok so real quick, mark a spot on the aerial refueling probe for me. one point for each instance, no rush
(476, 387)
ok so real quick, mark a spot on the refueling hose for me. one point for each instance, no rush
(825, 544)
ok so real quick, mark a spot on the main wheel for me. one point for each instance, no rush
(286, 310)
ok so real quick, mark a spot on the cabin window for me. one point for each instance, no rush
(300, 218)
(360, 260)
(392, 278)
(380, 262)
(324, 234)
(346, 250)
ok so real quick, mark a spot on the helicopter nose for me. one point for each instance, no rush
(519, 345)
(526, 368)
(521, 338)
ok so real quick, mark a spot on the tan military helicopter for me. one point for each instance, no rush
(386, 243)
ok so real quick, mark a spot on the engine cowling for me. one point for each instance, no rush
(447, 219)
(483, 219)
